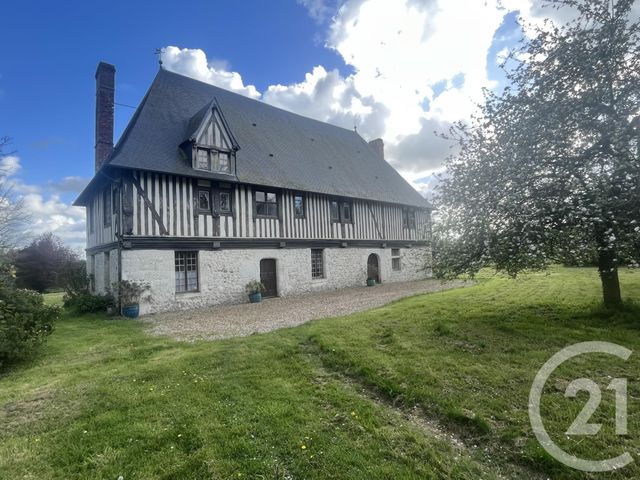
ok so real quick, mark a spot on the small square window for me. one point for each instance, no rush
(204, 201)
(298, 206)
(317, 263)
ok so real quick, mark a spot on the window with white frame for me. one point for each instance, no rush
(186, 266)
(317, 263)
(395, 259)
(266, 204)
(212, 160)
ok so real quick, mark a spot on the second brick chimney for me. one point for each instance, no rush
(105, 94)
(378, 146)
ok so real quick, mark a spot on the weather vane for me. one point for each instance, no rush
(159, 52)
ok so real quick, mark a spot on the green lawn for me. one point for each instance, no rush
(373, 395)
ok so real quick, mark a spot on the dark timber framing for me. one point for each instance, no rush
(131, 242)
(156, 216)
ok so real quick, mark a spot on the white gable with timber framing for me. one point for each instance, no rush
(233, 191)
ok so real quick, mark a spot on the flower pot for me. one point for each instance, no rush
(255, 297)
(131, 311)
(371, 282)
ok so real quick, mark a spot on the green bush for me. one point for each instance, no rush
(88, 303)
(25, 322)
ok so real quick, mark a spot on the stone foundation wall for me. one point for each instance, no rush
(224, 273)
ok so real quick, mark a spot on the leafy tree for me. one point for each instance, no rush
(550, 168)
(44, 264)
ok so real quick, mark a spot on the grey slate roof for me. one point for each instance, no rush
(277, 148)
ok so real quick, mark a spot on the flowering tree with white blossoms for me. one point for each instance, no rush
(549, 170)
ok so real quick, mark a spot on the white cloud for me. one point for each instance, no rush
(319, 10)
(9, 165)
(418, 66)
(329, 97)
(46, 210)
(193, 62)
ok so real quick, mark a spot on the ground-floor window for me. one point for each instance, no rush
(395, 259)
(186, 271)
(317, 263)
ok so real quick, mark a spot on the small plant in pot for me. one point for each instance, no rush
(254, 289)
(130, 295)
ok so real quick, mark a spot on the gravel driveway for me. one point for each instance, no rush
(227, 321)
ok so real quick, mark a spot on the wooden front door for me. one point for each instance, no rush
(373, 270)
(268, 277)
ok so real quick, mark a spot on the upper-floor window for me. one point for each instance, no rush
(334, 209)
(341, 211)
(266, 204)
(298, 205)
(225, 203)
(90, 211)
(408, 218)
(106, 206)
(213, 160)
(204, 201)
(346, 212)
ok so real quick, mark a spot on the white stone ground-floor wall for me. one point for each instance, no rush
(222, 274)
(103, 270)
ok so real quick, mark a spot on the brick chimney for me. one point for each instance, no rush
(105, 92)
(378, 146)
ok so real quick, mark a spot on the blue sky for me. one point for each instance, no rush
(329, 59)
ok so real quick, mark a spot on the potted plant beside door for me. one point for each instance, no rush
(254, 289)
(130, 295)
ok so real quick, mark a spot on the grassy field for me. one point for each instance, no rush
(434, 386)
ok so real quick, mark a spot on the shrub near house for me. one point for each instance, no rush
(25, 321)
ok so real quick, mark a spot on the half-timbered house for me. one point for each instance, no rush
(207, 189)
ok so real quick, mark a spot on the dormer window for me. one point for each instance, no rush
(212, 144)
(212, 160)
